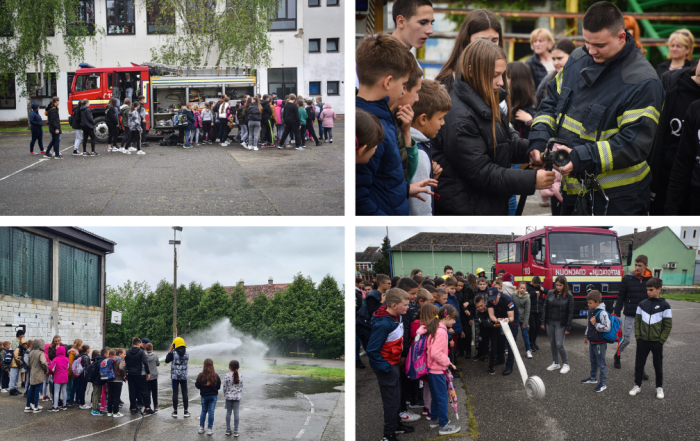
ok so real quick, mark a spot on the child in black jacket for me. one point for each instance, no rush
(483, 329)
(292, 122)
(310, 118)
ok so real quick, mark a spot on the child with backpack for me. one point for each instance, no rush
(59, 369)
(115, 383)
(437, 360)
(197, 126)
(79, 366)
(418, 355)
(233, 386)
(73, 353)
(598, 325)
(153, 364)
(207, 117)
(93, 376)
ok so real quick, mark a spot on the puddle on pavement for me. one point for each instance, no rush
(289, 387)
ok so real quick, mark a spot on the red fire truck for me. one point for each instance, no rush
(165, 88)
(589, 257)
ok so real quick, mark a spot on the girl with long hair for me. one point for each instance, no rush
(254, 117)
(233, 386)
(208, 383)
(436, 331)
(112, 120)
(479, 24)
(54, 129)
(476, 147)
(557, 313)
(522, 97)
(73, 353)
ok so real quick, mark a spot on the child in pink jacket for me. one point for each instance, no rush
(326, 118)
(278, 118)
(438, 361)
(59, 369)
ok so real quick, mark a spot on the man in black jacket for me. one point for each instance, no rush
(292, 122)
(632, 291)
(537, 295)
(135, 360)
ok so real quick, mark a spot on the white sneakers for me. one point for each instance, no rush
(554, 367)
(635, 390)
(528, 354)
(659, 393)
(141, 152)
(408, 416)
(132, 149)
(565, 368)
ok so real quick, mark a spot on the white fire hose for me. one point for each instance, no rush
(534, 387)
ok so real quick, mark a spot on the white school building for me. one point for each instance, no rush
(306, 58)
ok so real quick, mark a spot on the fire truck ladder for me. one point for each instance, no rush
(187, 71)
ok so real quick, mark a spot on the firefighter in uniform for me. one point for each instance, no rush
(605, 103)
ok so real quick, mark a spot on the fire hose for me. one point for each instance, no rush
(534, 386)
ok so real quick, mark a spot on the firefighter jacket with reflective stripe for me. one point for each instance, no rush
(608, 112)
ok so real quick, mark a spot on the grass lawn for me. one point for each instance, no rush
(693, 297)
(286, 369)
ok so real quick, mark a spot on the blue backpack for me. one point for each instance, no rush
(8, 357)
(615, 332)
(107, 369)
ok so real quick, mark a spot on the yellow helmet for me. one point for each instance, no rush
(479, 271)
(178, 342)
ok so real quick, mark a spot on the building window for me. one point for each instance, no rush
(286, 19)
(8, 95)
(25, 264)
(85, 16)
(333, 3)
(314, 3)
(5, 21)
(315, 88)
(314, 45)
(282, 81)
(333, 88)
(332, 45)
(79, 276)
(48, 89)
(160, 21)
(120, 17)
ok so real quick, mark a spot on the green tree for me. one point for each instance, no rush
(381, 265)
(239, 309)
(214, 305)
(32, 33)
(228, 32)
(122, 298)
(327, 334)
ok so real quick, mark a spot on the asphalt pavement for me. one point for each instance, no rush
(571, 410)
(207, 180)
(273, 407)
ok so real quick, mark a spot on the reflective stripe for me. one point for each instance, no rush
(91, 102)
(559, 77)
(612, 179)
(572, 125)
(546, 119)
(607, 134)
(633, 115)
(606, 160)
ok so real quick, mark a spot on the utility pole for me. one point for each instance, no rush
(175, 243)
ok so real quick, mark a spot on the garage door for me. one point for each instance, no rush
(696, 279)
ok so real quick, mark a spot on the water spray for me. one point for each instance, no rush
(534, 386)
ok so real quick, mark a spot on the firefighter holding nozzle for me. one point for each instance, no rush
(605, 103)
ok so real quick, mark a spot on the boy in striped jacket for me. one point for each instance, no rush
(652, 326)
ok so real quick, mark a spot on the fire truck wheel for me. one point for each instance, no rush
(101, 130)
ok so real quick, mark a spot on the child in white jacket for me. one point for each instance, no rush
(233, 386)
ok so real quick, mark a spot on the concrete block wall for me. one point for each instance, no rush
(44, 319)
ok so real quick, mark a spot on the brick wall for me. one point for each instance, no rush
(44, 319)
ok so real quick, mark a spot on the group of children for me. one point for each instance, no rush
(60, 374)
(397, 314)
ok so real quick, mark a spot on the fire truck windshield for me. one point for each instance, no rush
(583, 249)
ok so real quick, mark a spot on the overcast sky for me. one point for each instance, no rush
(224, 254)
(373, 236)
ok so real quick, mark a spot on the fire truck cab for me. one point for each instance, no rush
(589, 258)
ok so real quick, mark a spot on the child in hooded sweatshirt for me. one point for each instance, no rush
(59, 369)
(326, 118)
(598, 324)
(115, 384)
(153, 364)
(278, 119)
(178, 372)
(37, 132)
(438, 362)
(197, 126)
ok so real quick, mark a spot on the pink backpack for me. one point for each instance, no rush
(417, 365)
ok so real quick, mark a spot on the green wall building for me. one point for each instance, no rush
(669, 258)
(430, 252)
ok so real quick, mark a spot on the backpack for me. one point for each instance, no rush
(9, 355)
(417, 365)
(92, 373)
(107, 369)
(183, 120)
(615, 332)
(77, 366)
(176, 120)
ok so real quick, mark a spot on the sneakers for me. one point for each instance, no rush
(42, 152)
(117, 415)
(132, 149)
(492, 371)
(589, 381)
(85, 407)
(402, 428)
(94, 154)
(155, 408)
(425, 411)
(126, 152)
(210, 432)
(201, 430)
(331, 141)
(32, 153)
(109, 149)
(174, 414)
(435, 423)
(255, 149)
(28, 409)
(319, 143)
(659, 393)
(149, 411)
(476, 357)
(408, 417)
(228, 432)
(245, 146)
(64, 408)
(186, 414)
(600, 388)
(109, 414)
(36, 410)
(554, 367)
(415, 406)
(528, 354)
(58, 157)
(77, 153)
(391, 437)
(94, 413)
(4, 391)
(140, 152)
(635, 390)
(447, 429)
(236, 434)
(122, 150)
(53, 410)
(48, 156)
(508, 371)
(565, 368)
(301, 147)
(279, 147)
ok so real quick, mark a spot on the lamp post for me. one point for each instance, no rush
(175, 243)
